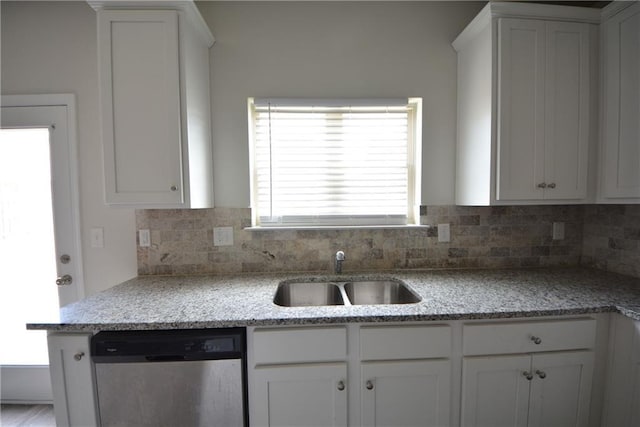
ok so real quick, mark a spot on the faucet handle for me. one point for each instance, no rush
(339, 256)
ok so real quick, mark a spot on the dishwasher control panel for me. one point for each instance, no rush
(167, 345)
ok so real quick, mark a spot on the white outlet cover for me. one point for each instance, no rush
(144, 238)
(444, 233)
(223, 236)
(558, 231)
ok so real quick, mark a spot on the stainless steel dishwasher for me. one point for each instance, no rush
(171, 378)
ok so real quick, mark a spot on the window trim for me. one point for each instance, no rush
(414, 170)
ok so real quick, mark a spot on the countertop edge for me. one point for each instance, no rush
(95, 327)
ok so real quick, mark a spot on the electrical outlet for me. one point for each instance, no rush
(144, 238)
(223, 236)
(558, 231)
(444, 233)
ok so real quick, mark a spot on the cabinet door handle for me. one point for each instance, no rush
(552, 185)
(369, 385)
(341, 385)
(536, 340)
(528, 375)
(78, 356)
(542, 185)
(174, 188)
(541, 374)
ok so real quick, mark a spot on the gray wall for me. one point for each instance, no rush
(334, 49)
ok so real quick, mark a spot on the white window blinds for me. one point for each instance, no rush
(332, 162)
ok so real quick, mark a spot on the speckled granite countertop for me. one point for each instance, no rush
(170, 302)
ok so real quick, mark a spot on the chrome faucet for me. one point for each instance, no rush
(339, 261)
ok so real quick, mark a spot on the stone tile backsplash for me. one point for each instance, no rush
(482, 237)
(611, 238)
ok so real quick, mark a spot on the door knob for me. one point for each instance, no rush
(369, 385)
(64, 280)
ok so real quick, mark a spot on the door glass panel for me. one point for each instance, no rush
(27, 247)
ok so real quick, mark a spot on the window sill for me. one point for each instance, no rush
(338, 227)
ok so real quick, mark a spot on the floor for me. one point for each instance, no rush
(27, 415)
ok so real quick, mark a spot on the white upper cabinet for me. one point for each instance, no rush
(154, 91)
(620, 142)
(525, 101)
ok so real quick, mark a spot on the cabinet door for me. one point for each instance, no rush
(72, 380)
(299, 395)
(561, 389)
(621, 132)
(635, 375)
(140, 95)
(495, 390)
(566, 110)
(407, 393)
(521, 74)
(635, 409)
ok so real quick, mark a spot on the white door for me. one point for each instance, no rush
(566, 110)
(521, 141)
(495, 391)
(561, 389)
(39, 235)
(300, 395)
(140, 92)
(406, 393)
(621, 105)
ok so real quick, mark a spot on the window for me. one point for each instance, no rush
(334, 162)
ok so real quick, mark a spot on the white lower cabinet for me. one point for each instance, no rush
(72, 379)
(546, 381)
(622, 397)
(360, 375)
(406, 393)
(301, 395)
(548, 389)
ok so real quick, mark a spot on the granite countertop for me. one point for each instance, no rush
(188, 302)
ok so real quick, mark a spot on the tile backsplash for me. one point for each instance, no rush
(485, 237)
(611, 238)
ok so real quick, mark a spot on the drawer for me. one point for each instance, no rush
(297, 345)
(404, 342)
(528, 337)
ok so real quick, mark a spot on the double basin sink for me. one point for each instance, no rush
(351, 292)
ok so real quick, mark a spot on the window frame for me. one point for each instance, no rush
(414, 160)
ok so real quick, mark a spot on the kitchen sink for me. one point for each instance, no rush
(302, 294)
(352, 292)
(379, 292)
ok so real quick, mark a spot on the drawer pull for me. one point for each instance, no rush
(541, 374)
(369, 385)
(528, 375)
(536, 340)
(341, 385)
